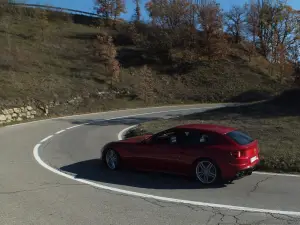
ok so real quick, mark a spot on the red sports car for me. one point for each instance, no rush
(209, 152)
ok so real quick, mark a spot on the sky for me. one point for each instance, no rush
(88, 5)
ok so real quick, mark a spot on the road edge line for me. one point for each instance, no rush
(142, 195)
(160, 198)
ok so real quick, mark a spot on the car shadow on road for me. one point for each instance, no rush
(95, 170)
(108, 122)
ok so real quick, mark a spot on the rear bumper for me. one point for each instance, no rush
(234, 172)
(244, 172)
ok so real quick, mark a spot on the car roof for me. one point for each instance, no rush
(208, 127)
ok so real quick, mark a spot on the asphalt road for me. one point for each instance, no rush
(61, 181)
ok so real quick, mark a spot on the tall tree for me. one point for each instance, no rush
(210, 18)
(110, 8)
(253, 22)
(294, 55)
(137, 13)
(104, 8)
(273, 27)
(169, 14)
(119, 8)
(235, 21)
(171, 19)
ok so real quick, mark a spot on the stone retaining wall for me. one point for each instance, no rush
(17, 114)
(36, 108)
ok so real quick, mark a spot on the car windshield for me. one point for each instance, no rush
(240, 137)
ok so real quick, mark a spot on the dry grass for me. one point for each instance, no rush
(59, 62)
(46, 56)
(276, 124)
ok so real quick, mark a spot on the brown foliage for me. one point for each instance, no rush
(107, 52)
(273, 26)
(115, 70)
(146, 84)
(173, 31)
(249, 49)
(184, 56)
(210, 19)
(173, 22)
(110, 8)
(171, 14)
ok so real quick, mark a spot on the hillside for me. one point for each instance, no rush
(46, 58)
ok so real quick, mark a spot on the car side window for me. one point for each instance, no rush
(169, 137)
(195, 137)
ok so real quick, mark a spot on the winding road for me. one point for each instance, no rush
(50, 174)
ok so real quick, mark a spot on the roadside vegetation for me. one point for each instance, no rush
(49, 56)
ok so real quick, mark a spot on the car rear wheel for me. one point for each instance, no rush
(112, 159)
(207, 172)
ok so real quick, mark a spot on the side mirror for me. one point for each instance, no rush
(147, 140)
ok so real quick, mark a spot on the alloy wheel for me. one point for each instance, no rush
(206, 172)
(111, 159)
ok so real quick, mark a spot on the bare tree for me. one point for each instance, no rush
(137, 13)
(294, 55)
(252, 19)
(235, 21)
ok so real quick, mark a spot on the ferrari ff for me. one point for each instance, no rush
(211, 153)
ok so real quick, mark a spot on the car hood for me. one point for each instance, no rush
(136, 139)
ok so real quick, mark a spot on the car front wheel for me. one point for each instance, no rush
(207, 172)
(112, 159)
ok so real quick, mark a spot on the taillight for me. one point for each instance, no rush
(252, 151)
(236, 154)
(244, 153)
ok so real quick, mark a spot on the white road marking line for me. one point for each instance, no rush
(160, 198)
(46, 138)
(59, 132)
(277, 174)
(74, 126)
(138, 194)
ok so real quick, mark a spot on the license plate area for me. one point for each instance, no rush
(253, 159)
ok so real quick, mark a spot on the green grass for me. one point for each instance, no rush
(276, 124)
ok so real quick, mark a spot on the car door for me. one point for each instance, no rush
(163, 151)
(182, 153)
(174, 153)
(192, 144)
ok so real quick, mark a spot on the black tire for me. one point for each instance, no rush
(112, 159)
(206, 178)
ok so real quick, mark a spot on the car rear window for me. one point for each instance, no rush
(240, 137)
